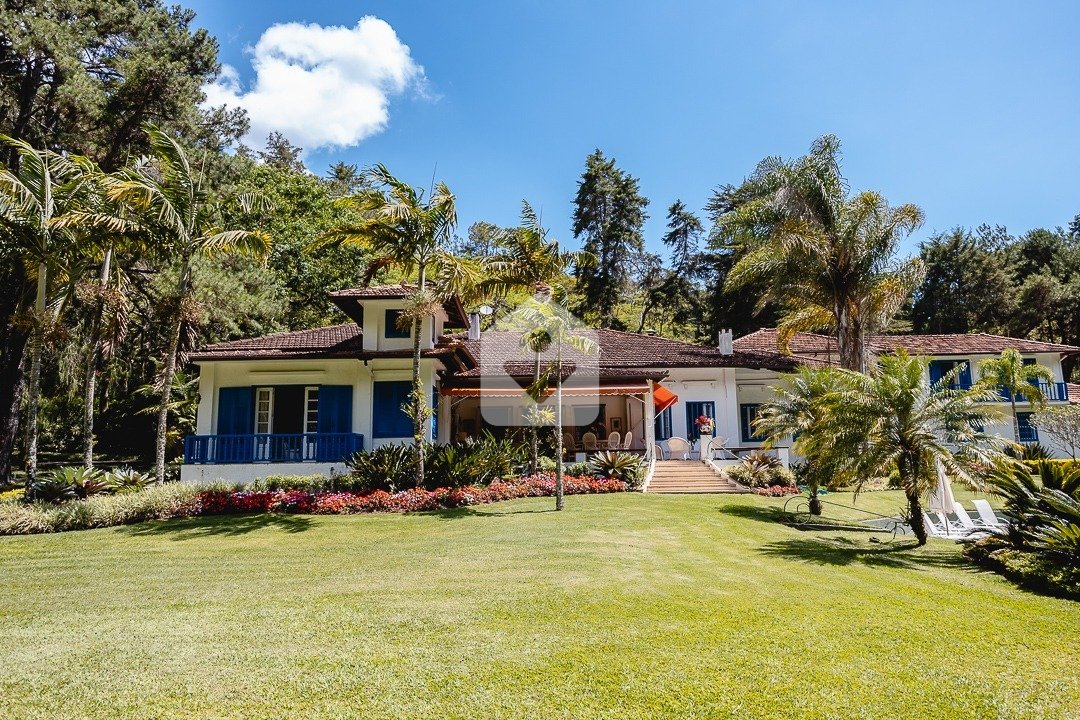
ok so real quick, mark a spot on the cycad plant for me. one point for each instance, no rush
(1015, 379)
(827, 258)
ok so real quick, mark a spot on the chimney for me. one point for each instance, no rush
(726, 346)
(474, 326)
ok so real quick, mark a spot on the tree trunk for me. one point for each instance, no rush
(850, 340)
(1015, 420)
(14, 337)
(815, 502)
(91, 368)
(534, 432)
(418, 395)
(33, 393)
(170, 372)
(558, 423)
(916, 517)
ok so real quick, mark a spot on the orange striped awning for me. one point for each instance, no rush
(624, 389)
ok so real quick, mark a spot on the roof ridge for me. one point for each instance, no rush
(283, 333)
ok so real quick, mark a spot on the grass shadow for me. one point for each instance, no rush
(757, 512)
(219, 526)
(481, 511)
(842, 551)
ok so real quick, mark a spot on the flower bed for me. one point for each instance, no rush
(217, 502)
(179, 500)
(776, 490)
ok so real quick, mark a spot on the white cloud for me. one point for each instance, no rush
(320, 86)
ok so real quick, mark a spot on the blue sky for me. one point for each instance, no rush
(969, 109)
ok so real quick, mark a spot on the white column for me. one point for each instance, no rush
(204, 422)
(649, 420)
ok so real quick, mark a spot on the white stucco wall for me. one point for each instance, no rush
(248, 472)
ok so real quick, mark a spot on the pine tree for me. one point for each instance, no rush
(609, 212)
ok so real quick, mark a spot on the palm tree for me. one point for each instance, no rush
(830, 259)
(527, 260)
(799, 409)
(409, 232)
(892, 420)
(1014, 378)
(544, 324)
(167, 201)
(31, 199)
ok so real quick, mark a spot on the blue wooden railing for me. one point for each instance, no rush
(1057, 391)
(270, 448)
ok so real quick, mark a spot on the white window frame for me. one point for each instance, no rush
(311, 422)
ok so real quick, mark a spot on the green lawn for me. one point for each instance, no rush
(624, 606)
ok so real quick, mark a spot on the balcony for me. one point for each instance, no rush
(270, 448)
(1054, 392)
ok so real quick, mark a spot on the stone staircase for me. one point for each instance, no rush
(688, 476)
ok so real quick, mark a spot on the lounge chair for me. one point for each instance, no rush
(937, 526)
(678, 448)
(613, 440)
(968, 526)
(987, 515)
(628, 440)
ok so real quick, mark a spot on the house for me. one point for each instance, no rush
(944, 353)
(302, 402)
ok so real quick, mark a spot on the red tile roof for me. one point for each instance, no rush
(954, 344)
(497, 350)
(335, 341)
(1074, 392)
(346, 300)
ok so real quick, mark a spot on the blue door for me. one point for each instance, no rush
(236, 423)
(389, 400)
(334, 419)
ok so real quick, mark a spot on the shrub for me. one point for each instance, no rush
(307, 483)
(618, 465)
(478, 461)
(52, 488)
(777, 490)
(128, 480)
(155, 503)
(388, 468)
(1027, 569)
(576, 469)
(545, 464)
(758, 470)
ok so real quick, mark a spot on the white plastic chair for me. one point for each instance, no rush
(628, 440)
(613, 440)
(986, 514)
(935, 525)
(967, 525)
(678, 448)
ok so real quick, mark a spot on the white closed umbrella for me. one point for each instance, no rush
(941, 498)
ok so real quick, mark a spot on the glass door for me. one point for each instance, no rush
(264, 422)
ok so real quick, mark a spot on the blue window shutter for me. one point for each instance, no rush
(389, 399)
(662, 425)
(236, 411)
(747, 415)
(937, 369)
(965, 374)
(335, 409)
(1028, 432)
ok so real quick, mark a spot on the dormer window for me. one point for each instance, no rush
(391, 328)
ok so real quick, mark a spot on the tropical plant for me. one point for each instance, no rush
(525, 259)
(893, 420)
(1014, 378)
(827, 257)
(410, 233)
(1043, 508)
(32, 196)
(618, 465)
(167, 201)
(479, 461)
(760, 470)
(799, 409)
(52, 488)
(128, 480)
(85, 481)
(543, 323)
(388, 467)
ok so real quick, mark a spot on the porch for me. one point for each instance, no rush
(236, 449)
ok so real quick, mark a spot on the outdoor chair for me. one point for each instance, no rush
(936, 525)
(986, 514)
(678, 448)
(613, 440)
(628, 440)
(588, 440)
(659, 451)
(973, 528)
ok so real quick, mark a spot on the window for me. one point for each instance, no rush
(1028, 432)
(389, 399)
(941, 368)
(747, 415)
(694, 410)
(311, 409)
(663, 425)
(264, 410)
(390, 327)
